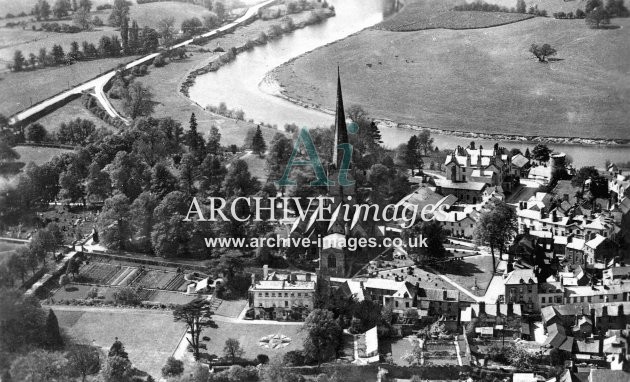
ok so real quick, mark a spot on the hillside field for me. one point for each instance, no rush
(482, 80)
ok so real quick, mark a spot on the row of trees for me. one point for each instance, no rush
(480, 5)
(61, 8)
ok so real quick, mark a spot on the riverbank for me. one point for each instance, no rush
(168, 85)
(478, 83)
(276, 29)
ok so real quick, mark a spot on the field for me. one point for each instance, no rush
(6, 249)
(19, 90)
(249, 337)
(150, 14)
(38, 155)
(551, 6)
(166, 81)
(150, 340)
(68, 112)
(479, 80)
(428, 14)
(17, 6)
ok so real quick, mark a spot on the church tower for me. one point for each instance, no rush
(338, 191)
(333, 257)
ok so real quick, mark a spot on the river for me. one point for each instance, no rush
(240, 84)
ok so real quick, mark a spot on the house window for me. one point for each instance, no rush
(614, 296)
(266, 294)
(543, 300)
(589, 299)
(396, 304)
(299, 294)
(286, 294)
(273, 295)
(406, 304)
(581, 299)
(286, 304)
(259, 294)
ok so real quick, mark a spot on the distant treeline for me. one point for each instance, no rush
(482, 6)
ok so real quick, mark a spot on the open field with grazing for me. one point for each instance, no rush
(38, 155)
(149, 337)
(19, 90)
(479, 80)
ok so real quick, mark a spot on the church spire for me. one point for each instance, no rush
(341, 131)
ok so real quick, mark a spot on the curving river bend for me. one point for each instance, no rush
(240, 84)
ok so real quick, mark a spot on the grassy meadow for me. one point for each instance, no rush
(481, 80)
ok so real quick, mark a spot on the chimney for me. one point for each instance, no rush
(308, 277)
(265, 271)
(467, 160)
(253, 279)
(565, 197)
(444, 295)
(554, 216)
(472, 145)
(482, 307)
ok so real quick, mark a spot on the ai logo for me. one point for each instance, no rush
(304, 138)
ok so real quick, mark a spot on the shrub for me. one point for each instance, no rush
(262, 358)
(293, 358)
(173, 367)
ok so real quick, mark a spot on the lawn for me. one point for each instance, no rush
(38, 155)
(479, 80)
(230, 308)
(249, 336)
(470, 271)
(149, 337)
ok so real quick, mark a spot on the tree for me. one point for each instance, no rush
(128, 174)
(323, 336)
(36, 132)
(616, 8)
(410, 155)
(124, 34)
(191, 26)
(259, 146)
(278, 155)
(232, 349)
(117, 350)
(98, 183)
(71, 184)
(496, 228)
(18, 61)
(213, 144)
(197, 316)
(592, 4)
(61, 8)
(434, 236)
(541, 153)
(143, 219)
(211, 21)
(57, 54)
(162, 181)
(138, 100)
(194, 140)
(166, 28)
(116, 369)
(521, 7)
(53, 340)
(239, 181)
(542, 52)
(83, 360)
(7, 153)
(85, 4)
(172, 368)
(16, 263)
(597, 17)
(42, 10)
(425, 142)
(219, 9)
(120, 10)
(39, 365)
(114, 222)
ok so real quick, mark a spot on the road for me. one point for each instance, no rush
(96, 85)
